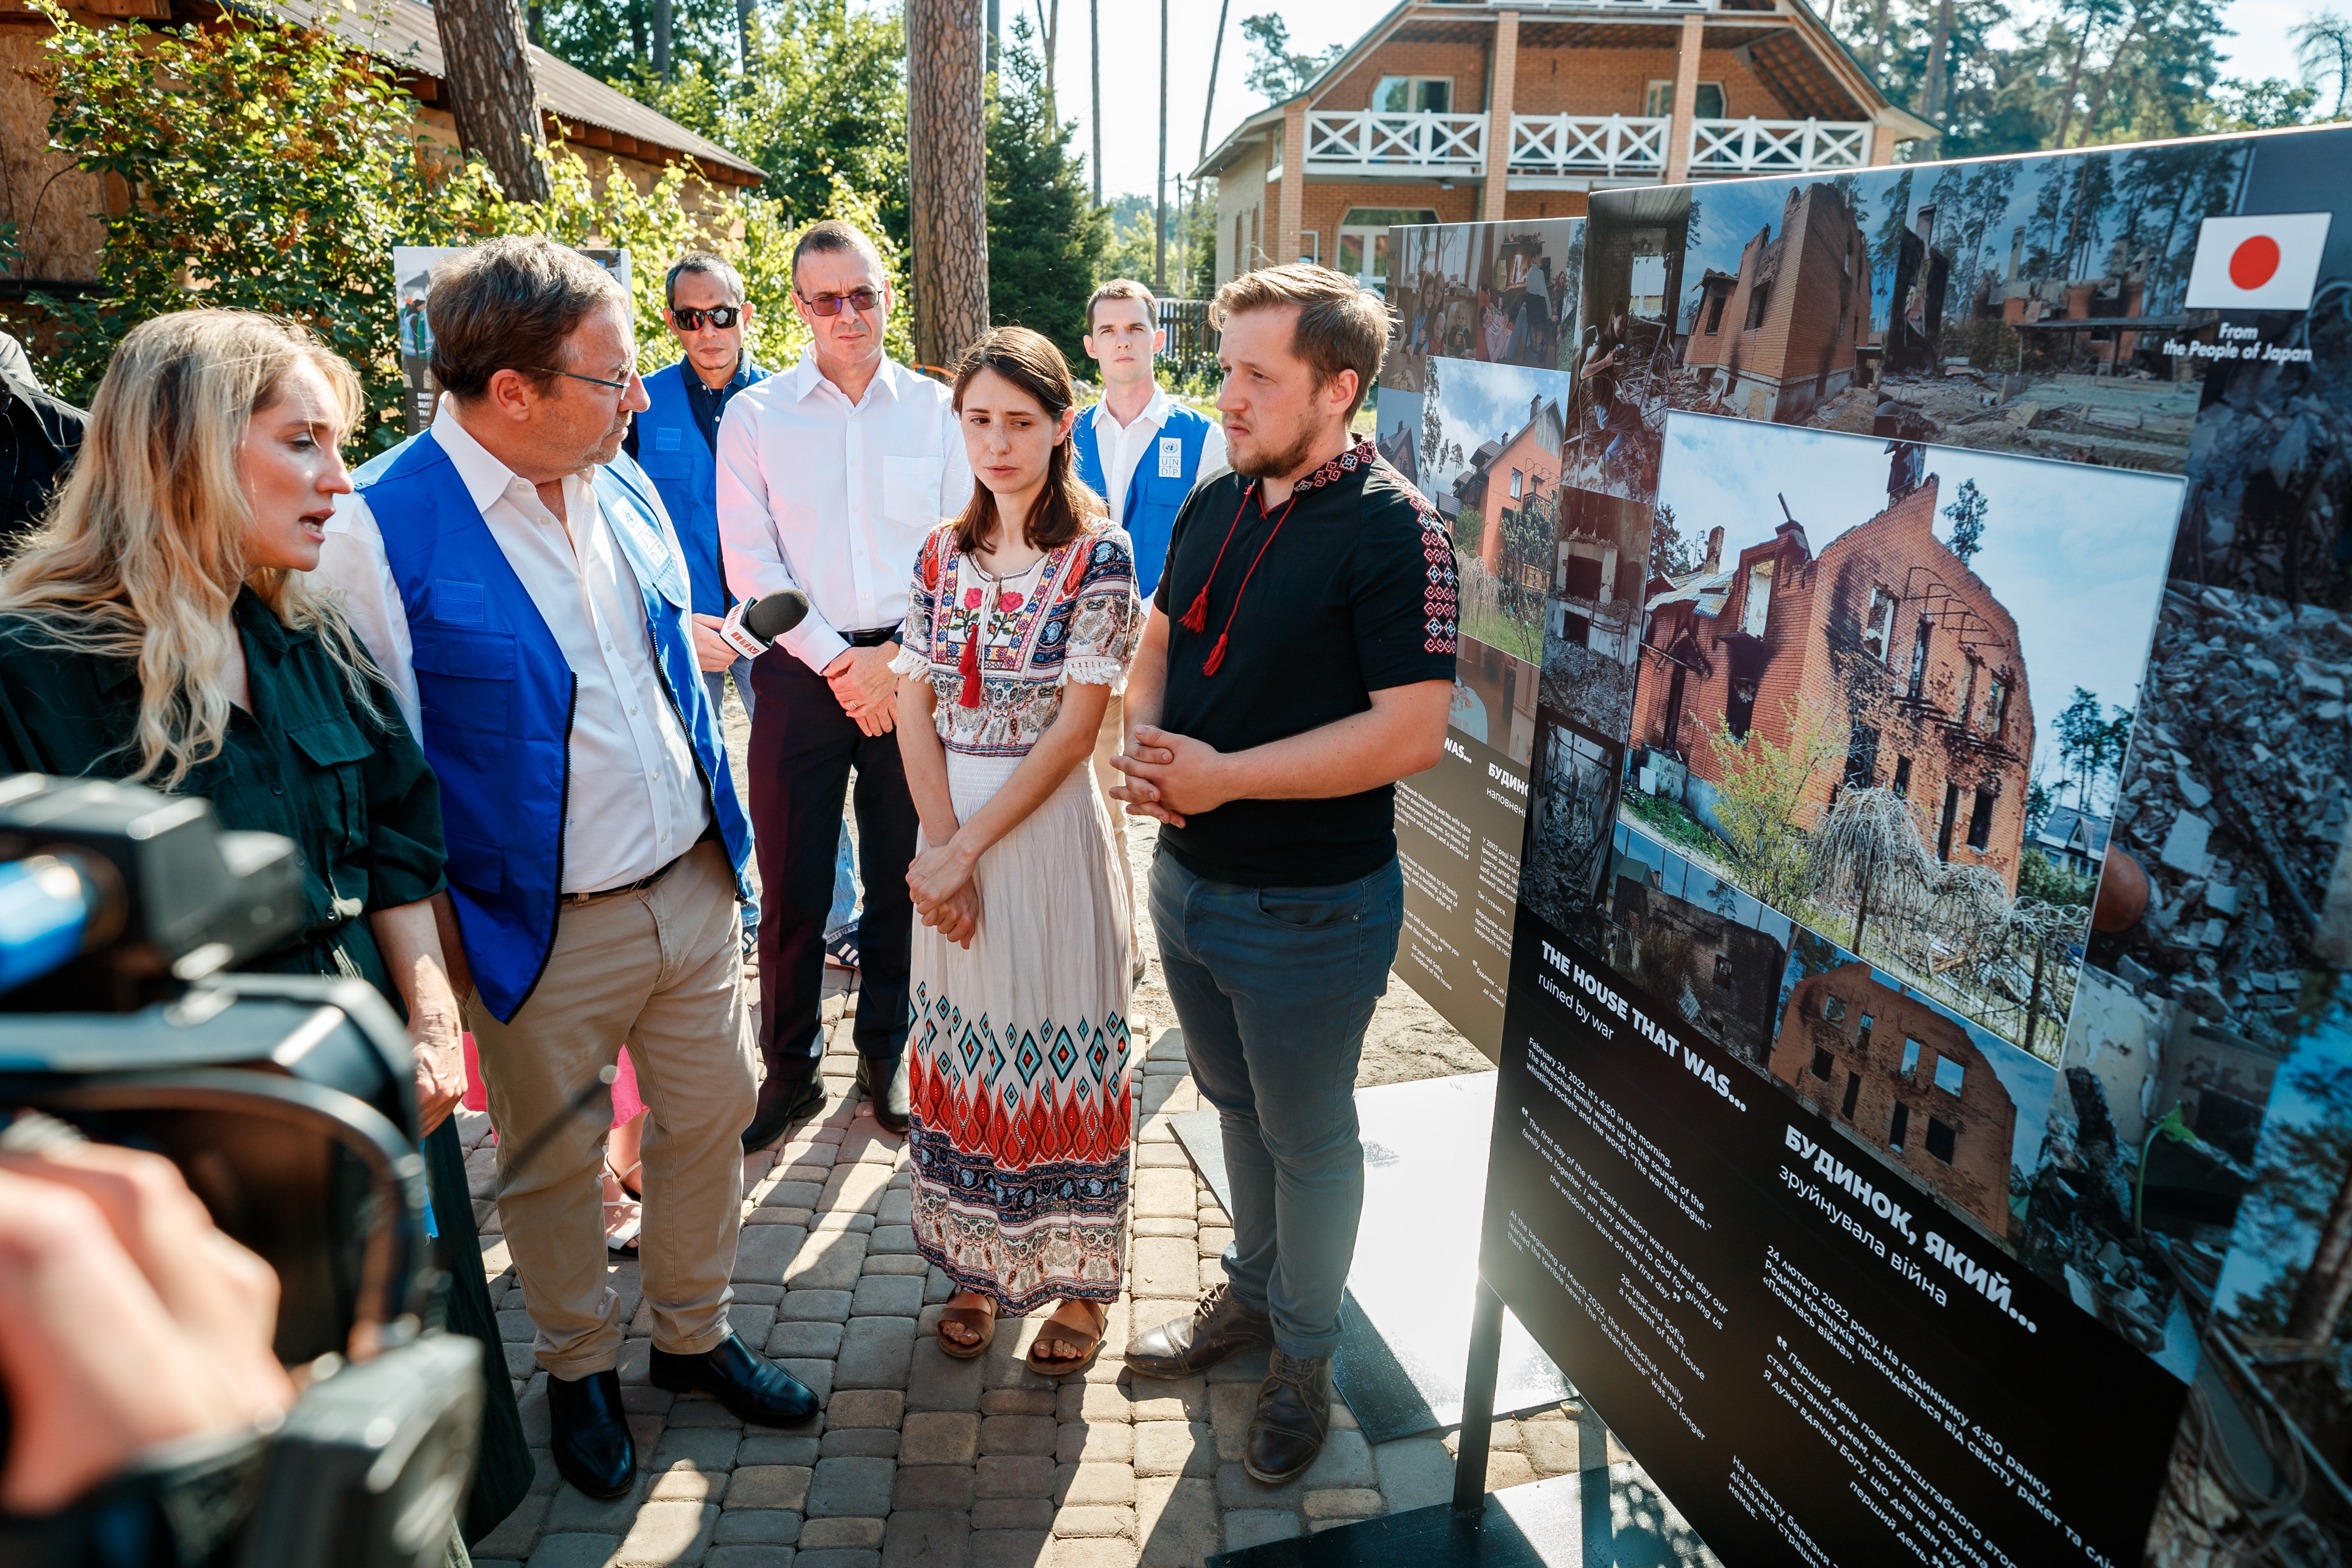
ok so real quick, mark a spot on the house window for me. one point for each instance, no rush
(1862, 757)
(1903, 777)
(1968, 696)
(1759, 298)
(1853, 1093)
(1518, 480)
(1878, 633)
(1363, 252)
(1996, 707)
(1919, 661)
(1310, 246)
(1944, 827)
(1942, 1142)
(1758, 610)
(1834, 1009)
(1951, 1074)
(1980, 820)
(1659, 100)
(1715, 304)
(1824, 1065)
(1910, 1056)
(1899, 1127)
(1861, 1040)
(1723, 971)
(1414, 94)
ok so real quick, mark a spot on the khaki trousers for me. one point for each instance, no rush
(660, 970)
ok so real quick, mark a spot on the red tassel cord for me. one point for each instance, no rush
(1217, 654)
(1196, 619)
(967, 665)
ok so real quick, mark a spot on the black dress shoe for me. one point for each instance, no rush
(1220, 1327)
(891, 1108)
(758, 1391)
(1294, 1414)
(784, 1099)
(591, 1434)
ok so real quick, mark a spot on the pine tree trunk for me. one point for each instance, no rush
(2073, 79)
(1053, 48)
(743, 32)
(661, 38)
(946, 175)
(2327, 1283)
(1094, 53)
(1939, 69)
(1160, 191)
(1878, 46)
(494, 96)
(2092, 111)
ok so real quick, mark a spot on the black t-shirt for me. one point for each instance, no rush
(1354, 594)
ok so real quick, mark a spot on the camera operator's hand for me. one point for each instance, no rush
(130, 1319)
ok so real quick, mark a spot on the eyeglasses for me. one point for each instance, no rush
(689, 320)
(858, 300)
(619, 386)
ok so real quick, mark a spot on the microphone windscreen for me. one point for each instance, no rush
(771, 615)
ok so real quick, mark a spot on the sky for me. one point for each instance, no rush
(2076, 553)
(1130, 33)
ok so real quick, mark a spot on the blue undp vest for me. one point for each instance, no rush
(1150, 516)
(497, 699)
(671, 450)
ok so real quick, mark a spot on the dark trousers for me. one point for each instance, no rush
(802, 747)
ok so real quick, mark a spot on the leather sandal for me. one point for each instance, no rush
(980, 1320)
(1089, 1341)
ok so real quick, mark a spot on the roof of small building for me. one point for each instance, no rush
(413, 42)
(2071, 828)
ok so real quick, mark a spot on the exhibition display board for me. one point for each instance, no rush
(1919, 602)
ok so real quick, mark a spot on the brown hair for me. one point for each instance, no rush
(510, 303)
(1031, 363)
(1123, 288)
(831, 234)
(1340, 326)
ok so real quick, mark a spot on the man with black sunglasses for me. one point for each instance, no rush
(830, 475)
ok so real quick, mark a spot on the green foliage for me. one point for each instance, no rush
(2038, 878)
(824, 101)
(612, 39)
(1670, 820)
(1986, 344)
(1760, 800)
(2090, 747)
(270, 169)
(1274, 69)
(1045, 236)
(1968, 514)
(1670, 555)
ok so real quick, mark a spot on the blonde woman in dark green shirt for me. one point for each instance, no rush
(161, 627)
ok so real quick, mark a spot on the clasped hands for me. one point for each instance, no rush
(946, 897)
(1170, 776)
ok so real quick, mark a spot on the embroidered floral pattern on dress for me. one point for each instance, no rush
(1076, 619)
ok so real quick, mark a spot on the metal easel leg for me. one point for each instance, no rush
(1478, 1403)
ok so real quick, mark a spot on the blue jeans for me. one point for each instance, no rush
(1274, 987)
(844, 870)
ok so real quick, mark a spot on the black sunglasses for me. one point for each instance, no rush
(689, 320)
(858, 300)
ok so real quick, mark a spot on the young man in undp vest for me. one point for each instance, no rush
(1142, 452)
(709, 315)
(519, 582)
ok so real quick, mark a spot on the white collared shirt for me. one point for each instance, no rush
(635, 802)
(835, 498)
(1121, 448)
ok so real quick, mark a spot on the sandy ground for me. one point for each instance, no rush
(1408, 1038)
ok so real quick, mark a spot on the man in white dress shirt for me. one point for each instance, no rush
(517, 579)
(830, 474)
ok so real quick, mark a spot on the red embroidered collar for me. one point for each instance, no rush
(1362, 455)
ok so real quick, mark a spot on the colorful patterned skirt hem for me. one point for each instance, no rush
(1018, 1059)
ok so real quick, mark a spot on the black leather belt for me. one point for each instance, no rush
(640, 885)
(873, 638)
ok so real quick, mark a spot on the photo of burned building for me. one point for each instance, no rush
(1592, 628)
(1697, 944)
(1779, 335)
(1572, 814)
(1915, 662)
(1904, 1078)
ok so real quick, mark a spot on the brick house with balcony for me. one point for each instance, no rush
(1905, 1080)
(1463, 110)
(1780, 334)
(54, 205)
(1912, 665)
(1509, 474)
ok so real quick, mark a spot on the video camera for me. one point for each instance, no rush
(289, 1104)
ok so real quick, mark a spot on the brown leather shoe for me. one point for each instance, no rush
(1220, 1327)
(1294, 1413)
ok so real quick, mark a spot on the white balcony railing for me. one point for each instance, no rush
(1587, 144)
(1778, 146)
(1608, 4)
(1363, 142)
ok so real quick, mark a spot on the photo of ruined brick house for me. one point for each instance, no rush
(1841, 701)
(1498, 293)
(1705, 952)
(2027, 305)
(1903, 1078)
(1571, 819)
(1627, 347)
(1593, 627)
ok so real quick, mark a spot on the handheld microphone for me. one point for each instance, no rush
(754, 624)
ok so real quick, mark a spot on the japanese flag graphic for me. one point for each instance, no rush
(2267, 263)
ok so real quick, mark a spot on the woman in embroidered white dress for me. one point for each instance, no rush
(1020, 622)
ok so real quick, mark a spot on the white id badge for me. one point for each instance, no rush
(1172, 457)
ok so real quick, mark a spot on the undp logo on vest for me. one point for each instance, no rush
(2265, 263)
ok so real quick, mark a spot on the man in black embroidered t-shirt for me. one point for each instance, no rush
(1298, 662)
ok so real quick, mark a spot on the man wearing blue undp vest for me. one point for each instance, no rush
(517, 579)
(707, 311)
(1142, 452)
